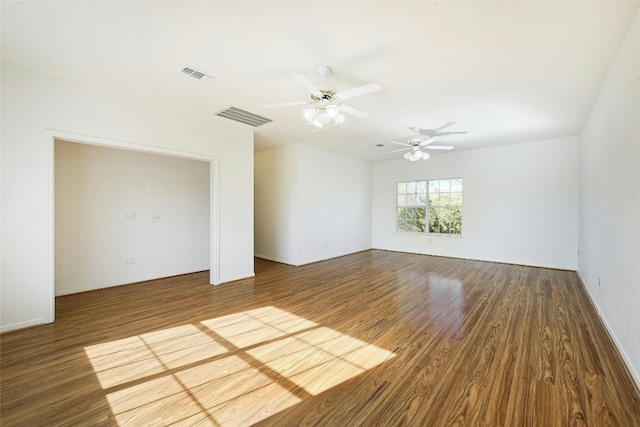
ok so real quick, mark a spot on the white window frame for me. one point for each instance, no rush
(415, 203)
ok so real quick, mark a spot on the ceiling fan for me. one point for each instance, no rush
(413, 147)
(326, 104)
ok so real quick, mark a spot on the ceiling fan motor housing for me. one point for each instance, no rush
(327, 95)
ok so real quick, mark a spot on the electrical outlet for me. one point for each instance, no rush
(130, 261)
(155, 218)
(130, 215)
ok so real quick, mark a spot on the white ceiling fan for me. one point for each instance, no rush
(414, 145)
(326, 104)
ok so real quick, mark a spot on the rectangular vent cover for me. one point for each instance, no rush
(199, 75)
(242, 116)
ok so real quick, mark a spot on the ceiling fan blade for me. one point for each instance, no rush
(286, 104)
(353, 111)
(435, 132)
(395, 151)
(308, 84)
(439, 147)
(445, 126)
(401, 143)
(358, 91)
(429, 141)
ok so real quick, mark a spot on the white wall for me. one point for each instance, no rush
(335, 205)
(276, 204)
(520, 203)
(32, 104)
(609, 232)
(113, 205)
(311, 204)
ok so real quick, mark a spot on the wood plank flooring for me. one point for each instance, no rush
(371, 339)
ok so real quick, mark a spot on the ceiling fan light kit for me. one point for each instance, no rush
(416, 155)
(323, 115)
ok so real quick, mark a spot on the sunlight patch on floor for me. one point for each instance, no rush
(230, 370)
(319, 359)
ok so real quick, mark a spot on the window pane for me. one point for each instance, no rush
(421, 187)
(402, 188)
(421, 199)
(433, 186)
(434, 199)
(445, 185)
(456, 185)
(456, 221)
(445, 199)
(416, 219)
(433, 221)
(402, 214)
(402, 200)
(411, 187)
(411, 200)
(456, 198)
(445, 220)
(421, 215)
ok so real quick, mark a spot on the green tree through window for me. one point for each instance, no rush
(437, 203)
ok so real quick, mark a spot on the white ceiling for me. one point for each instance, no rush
(504, 72)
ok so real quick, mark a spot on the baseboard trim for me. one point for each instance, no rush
(128, 282)
(22, 325)
(612, 336)
(268, 258)
(274, 259)
(335, 256)
(477, 259)
(234, 278)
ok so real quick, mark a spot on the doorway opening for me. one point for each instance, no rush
(148, 209)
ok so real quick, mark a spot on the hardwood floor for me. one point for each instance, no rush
(371, 339)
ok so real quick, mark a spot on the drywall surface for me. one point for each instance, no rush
(335, 205)
(520, 203)
(609, 232)
(123, 216)
(33, 106)
(311, 204)
(276, 204)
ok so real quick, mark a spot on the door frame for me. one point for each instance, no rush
(214, 194)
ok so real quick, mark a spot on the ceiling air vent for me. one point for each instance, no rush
(242, 116)
(198, 75)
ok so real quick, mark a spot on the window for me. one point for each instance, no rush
(433, 206)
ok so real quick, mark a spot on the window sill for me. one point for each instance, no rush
(417, 233)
